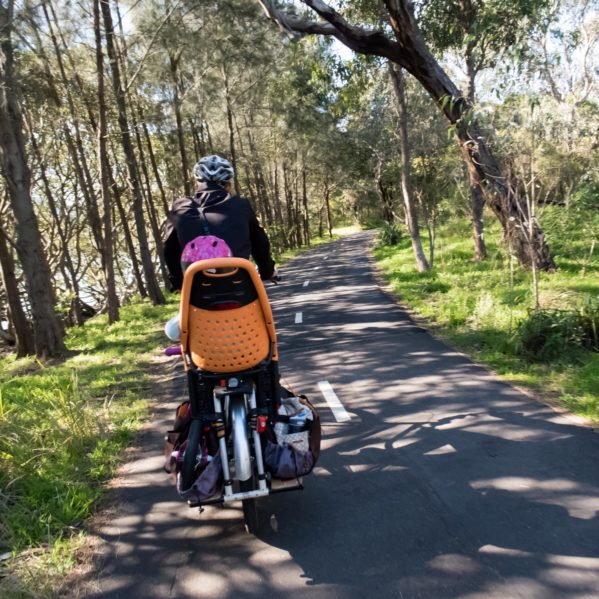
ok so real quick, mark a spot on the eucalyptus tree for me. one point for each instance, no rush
(48, 330)
(407, 48)
(482, 32)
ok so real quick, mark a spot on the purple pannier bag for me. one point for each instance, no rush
(285, 461)
(206, 485)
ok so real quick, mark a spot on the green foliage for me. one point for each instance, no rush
(547, 335)
(491, 27)
(64, 428)
(389, 235)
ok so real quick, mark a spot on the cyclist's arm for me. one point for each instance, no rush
(172, 258)
(261, 249)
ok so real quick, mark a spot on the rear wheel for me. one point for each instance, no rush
(190, 456)
(250, 509)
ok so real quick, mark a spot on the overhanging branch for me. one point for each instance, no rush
(292, 24)
(359, 39)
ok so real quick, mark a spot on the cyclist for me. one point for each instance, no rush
(215, 210)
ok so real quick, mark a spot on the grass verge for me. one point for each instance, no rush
(64, 427)
(478, 307)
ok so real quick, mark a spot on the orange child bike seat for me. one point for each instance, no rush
(226, 319)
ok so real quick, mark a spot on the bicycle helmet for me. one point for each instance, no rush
(205, 247)
(213, 168)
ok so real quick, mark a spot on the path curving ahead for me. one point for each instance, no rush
(436, 480)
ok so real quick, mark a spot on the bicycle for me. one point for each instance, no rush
(229, 349)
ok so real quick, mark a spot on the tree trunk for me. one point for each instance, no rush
(278, 211)
(327, 201)
(150, 208)
(289, 206)
(305, 206)
(153, 288)
(476, 193)
(48, 330)
(431, 244)
(152, 156)
(411, 215)
(174, 64)
(112, 302)
(20, 325)
(231, 127)
(73, 284)
(478, 206)
(129, 240)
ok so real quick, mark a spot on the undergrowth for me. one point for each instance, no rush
(487, 308)
(64, 428)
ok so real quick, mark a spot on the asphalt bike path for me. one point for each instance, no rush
(436, 480)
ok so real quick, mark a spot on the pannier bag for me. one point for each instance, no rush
(177, 436)
(295, 446)
(208, 469)
(209, 481)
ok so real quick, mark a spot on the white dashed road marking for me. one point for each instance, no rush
(336, 406)
(299, 318)
(306, 283)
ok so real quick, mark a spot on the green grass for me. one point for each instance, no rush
(63, 429)
(477, 306)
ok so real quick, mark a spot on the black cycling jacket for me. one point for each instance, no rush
(229, 217)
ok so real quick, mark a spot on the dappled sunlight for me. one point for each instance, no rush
(445, 482)
(580, 501)
(454, 564)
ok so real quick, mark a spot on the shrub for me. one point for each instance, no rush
(547, 335)
(589, 319)
(389, 235)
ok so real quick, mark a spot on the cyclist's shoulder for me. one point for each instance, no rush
(240, 202)
(182, 204)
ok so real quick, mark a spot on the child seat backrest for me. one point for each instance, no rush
(226, 320)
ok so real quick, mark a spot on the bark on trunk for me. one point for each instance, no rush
(174, 65)
(153, 288)
(20, 325)
(411, 215)
(306, 215)
(231, 127)
(477, 197)
(278, 210)
(327, 201)
(152, 156)
(112, 302)
(150, 208)
(48, 330)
